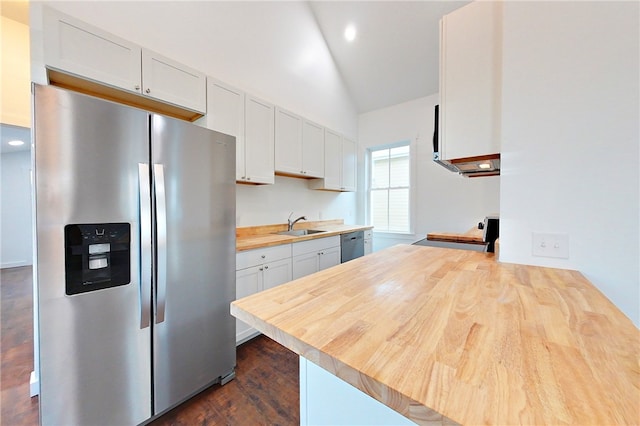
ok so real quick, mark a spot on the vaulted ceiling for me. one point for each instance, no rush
(394, 57)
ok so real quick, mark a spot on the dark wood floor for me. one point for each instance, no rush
(264, 392)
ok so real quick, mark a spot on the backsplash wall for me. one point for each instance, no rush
(269, 204)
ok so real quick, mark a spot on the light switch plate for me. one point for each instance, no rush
(550, 245)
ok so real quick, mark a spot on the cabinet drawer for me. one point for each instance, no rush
(249, 258)
(311, 246)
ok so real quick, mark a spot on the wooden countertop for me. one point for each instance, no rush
(472, 236)
(445, 335)
(253, 237)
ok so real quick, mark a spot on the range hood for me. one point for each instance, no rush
(482, 165)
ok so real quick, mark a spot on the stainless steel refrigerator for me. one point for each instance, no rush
(135, 259)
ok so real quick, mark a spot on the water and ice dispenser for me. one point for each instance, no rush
(97, 256)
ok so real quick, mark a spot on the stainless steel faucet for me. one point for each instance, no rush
(290, 223)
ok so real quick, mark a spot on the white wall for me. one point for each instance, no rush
(570, 154)
(15, 95)
(265, 204)
(443, 201)
(273, 50)
(15, 209)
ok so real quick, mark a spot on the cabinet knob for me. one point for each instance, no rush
(263, 256)
(137, 87)
(266, 267)
(248, 177)
(261, 269)
(148, 90)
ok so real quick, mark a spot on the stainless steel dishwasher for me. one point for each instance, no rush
(351, 245)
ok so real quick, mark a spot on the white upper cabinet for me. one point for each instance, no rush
(259, 142)
(225, 114)
(299, 146)
(470, 80)
(251, 121)
(332, 160)
(169, 81)
(288, 143)
(312, 149)
(76, 48)
(349, 164)
(340, 164)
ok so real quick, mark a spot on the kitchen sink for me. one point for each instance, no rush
(300, 232)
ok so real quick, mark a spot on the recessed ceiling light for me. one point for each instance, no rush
(484, 165)
(16, 143)
(350, 32)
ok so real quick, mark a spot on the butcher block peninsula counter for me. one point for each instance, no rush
(451, 336)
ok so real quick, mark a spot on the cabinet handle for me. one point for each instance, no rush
(263, 256)
(148, 90)
(248, 177)
(136, 87)
(261, 269)
(266, 267)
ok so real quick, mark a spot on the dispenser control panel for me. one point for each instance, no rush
(97, 256)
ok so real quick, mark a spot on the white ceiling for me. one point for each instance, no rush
(394, 57)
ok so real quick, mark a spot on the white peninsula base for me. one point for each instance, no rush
(328, 400)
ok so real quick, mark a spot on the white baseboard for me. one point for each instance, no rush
(34, 385)
(14, 264)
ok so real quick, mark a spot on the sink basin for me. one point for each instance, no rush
(300, 232)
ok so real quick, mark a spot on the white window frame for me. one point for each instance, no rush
(412, 172)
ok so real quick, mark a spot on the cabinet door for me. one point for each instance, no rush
(258, 137)
(248, 281)
(169, 81)
(288, 143)
(349, 164)
(305, 264)
(470, 80)
(329, 257)
(74, 47)
(225, 113)
(312, 149)
(332, 160)
(368, 246)
(276, 273)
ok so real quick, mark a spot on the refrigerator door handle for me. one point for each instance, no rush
(161, 241)
(145, 244)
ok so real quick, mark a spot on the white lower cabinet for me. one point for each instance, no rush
(368, 241)
(315, 255)
(258, 270)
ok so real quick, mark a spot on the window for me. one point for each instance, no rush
(389, 189)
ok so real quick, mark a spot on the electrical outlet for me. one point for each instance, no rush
(550, 245)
